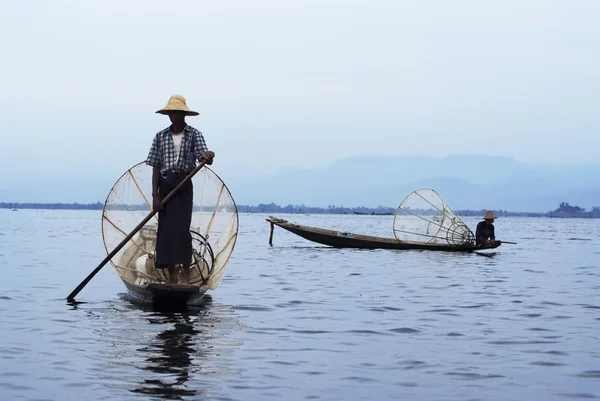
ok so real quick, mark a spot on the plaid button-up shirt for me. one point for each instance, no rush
(162, 152)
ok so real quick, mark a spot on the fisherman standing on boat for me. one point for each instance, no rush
(173, 156)
(484, 235)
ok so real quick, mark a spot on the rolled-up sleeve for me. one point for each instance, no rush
(199, 145)
(154, 154)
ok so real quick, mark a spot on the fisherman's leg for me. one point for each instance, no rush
(167, 236)
(187, 209)
(185, 276)
(172, 274)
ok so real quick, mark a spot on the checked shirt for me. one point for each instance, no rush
(162, 151)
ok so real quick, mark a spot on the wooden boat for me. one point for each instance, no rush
(165, 294)
(340, 239)
(214, 229)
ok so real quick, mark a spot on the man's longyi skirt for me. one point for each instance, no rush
(173, 240)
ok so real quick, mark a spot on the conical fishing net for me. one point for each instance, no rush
(214, 228)
(423, 216)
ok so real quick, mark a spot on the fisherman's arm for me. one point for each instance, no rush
(155, 181)
(201, 151)
(154, 161)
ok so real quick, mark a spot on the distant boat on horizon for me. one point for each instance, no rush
(374, 214)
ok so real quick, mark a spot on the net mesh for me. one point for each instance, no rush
(423, 216)
(214, 227)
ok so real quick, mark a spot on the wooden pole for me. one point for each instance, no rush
(108, 257)
(271, 236)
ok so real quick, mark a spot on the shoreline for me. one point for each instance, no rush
(294, 209)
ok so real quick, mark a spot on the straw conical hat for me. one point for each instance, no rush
(489, 215)
(177, 103)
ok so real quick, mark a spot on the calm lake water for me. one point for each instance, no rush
(298, 321)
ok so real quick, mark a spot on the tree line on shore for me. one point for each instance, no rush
(564, 209)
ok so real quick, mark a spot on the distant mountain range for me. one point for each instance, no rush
(464, 181)
(472, 182)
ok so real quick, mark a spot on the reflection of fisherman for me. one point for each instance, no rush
(484, 235)
(173, 155)
(170, 358)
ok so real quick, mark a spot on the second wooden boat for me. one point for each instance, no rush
(342, 239)
(422, 221)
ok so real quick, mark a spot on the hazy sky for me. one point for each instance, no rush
(297, 84)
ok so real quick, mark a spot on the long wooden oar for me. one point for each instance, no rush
(108, 257)
(508, 242)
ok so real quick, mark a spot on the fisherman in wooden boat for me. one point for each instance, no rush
(484, 235)
(173, 156)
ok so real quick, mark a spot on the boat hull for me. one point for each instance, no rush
(339, 239)
(166, 294)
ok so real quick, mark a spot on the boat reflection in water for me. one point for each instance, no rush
(177, 362)
(170, 355)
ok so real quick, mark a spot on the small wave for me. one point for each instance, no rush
(294, 303)
(405, 330)
(592, 374)
(412, 364)
(473, 376)
(313, 373)
(311, 331)
(253, 308)
(538, 329)
(359, 379)
(546, 363)
(537, 351)
(551, 303)
(286, 363)
(578, 395)
(474, 306)
(364, 332)
(12, 374)
(517, 342)
(578, 239)
(384, 309)
(530, 314)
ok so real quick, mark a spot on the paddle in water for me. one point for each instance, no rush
(142, 223)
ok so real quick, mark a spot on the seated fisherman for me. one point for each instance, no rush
(484, 235)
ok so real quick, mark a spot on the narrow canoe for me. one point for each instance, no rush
(340, 239)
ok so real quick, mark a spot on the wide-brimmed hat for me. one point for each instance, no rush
(177, 103)
(489, 215)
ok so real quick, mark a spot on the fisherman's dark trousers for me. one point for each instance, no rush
(173, 239)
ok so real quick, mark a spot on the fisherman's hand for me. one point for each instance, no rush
(209, 155)
(156, 202)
